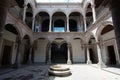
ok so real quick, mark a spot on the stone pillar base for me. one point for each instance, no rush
(118, 64)
(69, 62)
(29, 62)
(16, 65)
(49, 62)
(89, 62)
(101, 65)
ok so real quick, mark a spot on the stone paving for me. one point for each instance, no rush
(79, 72)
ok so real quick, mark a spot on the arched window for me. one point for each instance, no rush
(59, 26)
(73, 25)
(45, 26)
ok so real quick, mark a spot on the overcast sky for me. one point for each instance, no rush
(42, 1)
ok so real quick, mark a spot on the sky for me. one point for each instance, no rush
(46, 1)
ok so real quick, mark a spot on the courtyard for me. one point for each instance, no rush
(79, 72)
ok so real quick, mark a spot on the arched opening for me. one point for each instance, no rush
(75, 22)
(9, 46)
(42, 22)
(110, 46)
(59, 26)
(29, 16)
(59, 54)
(25, 50)
(59, 19)
(93, 50)
(45, 26)
(73, 25)
(89, 16)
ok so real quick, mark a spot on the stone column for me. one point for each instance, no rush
(30, 55)
(24, 12)
(17, 59)
(49, 55)
(50, 24)
(100, 62)
(68, 24)
(33, 23)
(3, 15)
(88, 56)
(115, 10)
(85, 26)
(68, 56)
(93, 12)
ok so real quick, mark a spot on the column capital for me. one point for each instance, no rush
(93, 6)
(84, 18)
(33, 18)
(69, 45)
(24, 5)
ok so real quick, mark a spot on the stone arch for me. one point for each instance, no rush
(88, 37)
(11, 40)
(55, 42)
(17, 29)
(75, 11)
(59, 10)
(100, 28)
(31, 6)
(62, 43)
(109, 46)
(87, 6)
(29, 15)
(92, 47)
(25, 52)
(59, 52)
(42, 11)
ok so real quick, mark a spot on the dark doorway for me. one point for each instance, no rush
(59, 55)
(93, 57)
(26, 55)
(111, 53)
(6, 58)
(26, 49)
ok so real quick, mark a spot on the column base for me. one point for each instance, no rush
(89, 62)
(69, 62)
(29, 62)
(49, 31)
(101, 65)
(16, 65)
(49, 62)
(118, 64)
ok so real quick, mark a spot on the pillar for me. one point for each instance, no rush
(24, 12)
(115, 10)
(50, 24)
(100, 62)
(30, 55)
(93, 13)
(3, 15)
(68, 24)
(17, 59)
(85, 26)
(88, 56)
(33, 23)
(49, 55)
(68, 55)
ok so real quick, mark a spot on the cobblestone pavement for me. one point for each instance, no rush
(79, 72)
